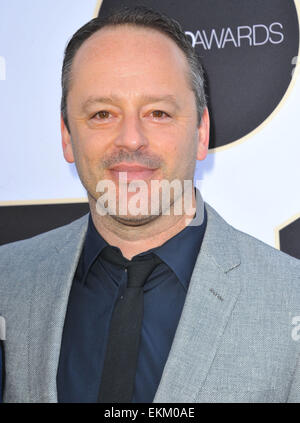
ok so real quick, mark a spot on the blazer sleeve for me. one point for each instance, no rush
(294, 394)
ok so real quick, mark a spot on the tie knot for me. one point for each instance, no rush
(138, 269)
(114, 256)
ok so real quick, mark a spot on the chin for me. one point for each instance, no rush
(134, 220)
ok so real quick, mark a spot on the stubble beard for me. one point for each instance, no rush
(135, 220)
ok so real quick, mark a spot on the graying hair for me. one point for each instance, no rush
(142, 17)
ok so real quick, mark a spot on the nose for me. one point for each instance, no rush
(131, 136)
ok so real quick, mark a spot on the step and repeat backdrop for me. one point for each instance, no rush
(250, 53)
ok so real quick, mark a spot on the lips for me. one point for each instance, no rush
(133, 171)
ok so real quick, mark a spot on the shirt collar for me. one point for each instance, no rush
(179, 252)
(93, 245)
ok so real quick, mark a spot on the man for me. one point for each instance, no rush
(145, 304)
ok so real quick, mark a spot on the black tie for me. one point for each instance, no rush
(119, 370)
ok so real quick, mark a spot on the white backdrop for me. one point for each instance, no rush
(253, 184)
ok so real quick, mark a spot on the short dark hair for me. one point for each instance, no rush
(139, 16)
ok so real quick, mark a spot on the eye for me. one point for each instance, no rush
(159, 114)
(102, 115)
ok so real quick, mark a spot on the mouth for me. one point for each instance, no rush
(131, 171)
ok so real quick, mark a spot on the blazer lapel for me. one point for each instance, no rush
(211, 296)
(54, 276)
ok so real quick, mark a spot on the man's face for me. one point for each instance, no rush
(130, 108)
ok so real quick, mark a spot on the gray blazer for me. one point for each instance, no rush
(233, 342)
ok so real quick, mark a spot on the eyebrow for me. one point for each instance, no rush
(145, 98)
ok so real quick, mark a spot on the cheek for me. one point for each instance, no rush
(179, 146)
(182, 154)
(167, 139)
(89, 147)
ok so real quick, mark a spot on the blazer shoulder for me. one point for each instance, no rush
(255, 254)
(39, 245)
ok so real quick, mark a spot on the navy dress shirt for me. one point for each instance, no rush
(96, 286)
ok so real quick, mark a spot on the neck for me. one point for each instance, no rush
(133, 240)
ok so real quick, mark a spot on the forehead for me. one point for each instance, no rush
(129, 54)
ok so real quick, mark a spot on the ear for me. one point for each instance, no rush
(66, 142)
(203, 136)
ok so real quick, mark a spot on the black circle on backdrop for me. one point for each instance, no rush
(289, 236)
(247, 50)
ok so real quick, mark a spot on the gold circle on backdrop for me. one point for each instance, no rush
(97, 8)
